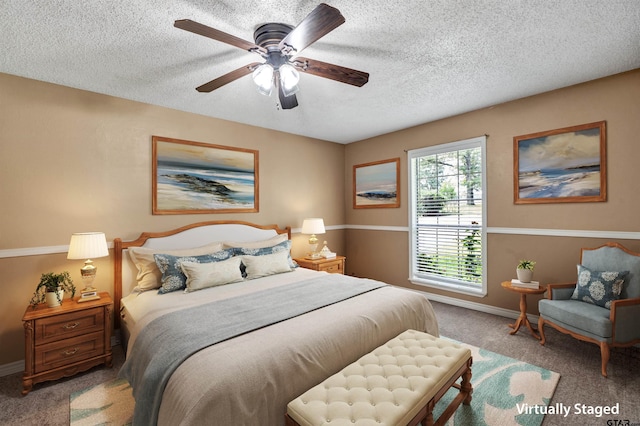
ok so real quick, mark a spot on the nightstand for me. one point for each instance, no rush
(66, 340)
(333, 266)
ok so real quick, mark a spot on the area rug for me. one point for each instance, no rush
(505, 392)
(107, 403)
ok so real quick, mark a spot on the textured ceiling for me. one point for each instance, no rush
(427, 59)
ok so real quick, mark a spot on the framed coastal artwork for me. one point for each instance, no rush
(567, 165)
(376, 184)
(195, 177)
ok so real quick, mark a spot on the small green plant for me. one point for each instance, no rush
(526, 264)
(51, 282)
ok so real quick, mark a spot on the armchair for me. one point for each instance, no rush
(606, 324)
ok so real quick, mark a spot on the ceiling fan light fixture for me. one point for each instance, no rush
(289, 78)
(263, 78)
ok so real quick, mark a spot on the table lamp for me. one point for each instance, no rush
(313, 226)
(87, 245)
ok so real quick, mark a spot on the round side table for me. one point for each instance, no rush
(522, 319)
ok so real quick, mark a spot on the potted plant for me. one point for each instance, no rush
(51, 289)
(525, 270)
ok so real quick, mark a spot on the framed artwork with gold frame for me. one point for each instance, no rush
(196, 177)
(377, 184)
(567, 165)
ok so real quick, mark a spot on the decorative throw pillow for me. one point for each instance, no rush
(268, 264)
(173, 279)
(598, 287)
(149, 275)
(204, 275)
(284, 246)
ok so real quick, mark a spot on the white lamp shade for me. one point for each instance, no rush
(313, 226)
(88, 245)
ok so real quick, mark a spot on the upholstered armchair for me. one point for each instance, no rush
(603, 306)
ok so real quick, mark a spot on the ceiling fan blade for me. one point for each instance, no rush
(334, 72)
(227, 78)
(203, 30)
(322, 20)
(286, 102)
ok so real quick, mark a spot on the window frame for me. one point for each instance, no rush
(432, 280)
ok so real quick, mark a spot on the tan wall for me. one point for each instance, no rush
(75, 161)
(384, 255)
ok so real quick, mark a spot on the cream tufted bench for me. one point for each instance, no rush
(396, 384)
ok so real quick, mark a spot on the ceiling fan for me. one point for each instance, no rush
(279, 44)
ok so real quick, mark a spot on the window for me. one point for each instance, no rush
(447, 211)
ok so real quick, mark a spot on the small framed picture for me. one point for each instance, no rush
(377, 184)
(567, 165)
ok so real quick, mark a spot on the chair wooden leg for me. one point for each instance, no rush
(604, 352)
(541, 330)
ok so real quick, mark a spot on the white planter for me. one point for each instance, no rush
(52, 299)
(524, 275)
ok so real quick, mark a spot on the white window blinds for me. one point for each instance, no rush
(447, 216)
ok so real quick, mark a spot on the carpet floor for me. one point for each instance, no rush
(578, 364)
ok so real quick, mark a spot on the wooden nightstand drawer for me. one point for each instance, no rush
(68, 325)
(334, 267)
(67, 351)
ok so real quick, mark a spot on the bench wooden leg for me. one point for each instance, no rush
(288, 421)
(463, 397)
(465, 386)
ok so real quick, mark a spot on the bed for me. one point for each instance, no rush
(264, 338)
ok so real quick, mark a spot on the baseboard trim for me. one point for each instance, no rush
(475, 306)
(11, 368)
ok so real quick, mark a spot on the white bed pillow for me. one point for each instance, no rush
(204, 275)
(148, 273)
(270, 242)
(268, 264)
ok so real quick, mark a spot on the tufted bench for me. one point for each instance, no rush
(396, 384)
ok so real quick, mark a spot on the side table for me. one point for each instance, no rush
(522, 319)
(332, 266)
(67, 339)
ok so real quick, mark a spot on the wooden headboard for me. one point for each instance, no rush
(189, 236)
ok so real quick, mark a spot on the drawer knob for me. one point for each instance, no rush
(70, 352)
(71, 326)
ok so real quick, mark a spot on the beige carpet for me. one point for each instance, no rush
(503, 388)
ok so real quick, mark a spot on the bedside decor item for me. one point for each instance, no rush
(313, 226)
(87, 245)
(567, 165)
(326, 253)
(524, 271)
(376, 184)
(51, 289)
(195, 177)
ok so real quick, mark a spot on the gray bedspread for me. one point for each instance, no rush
(168, 341)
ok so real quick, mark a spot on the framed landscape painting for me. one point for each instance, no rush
(566, 165)
(376, 184)
(194, 177)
